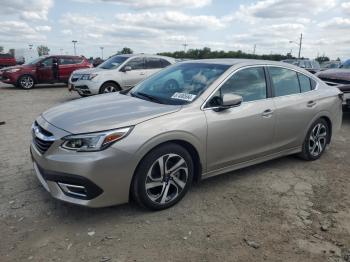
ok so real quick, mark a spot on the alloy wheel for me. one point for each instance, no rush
(109, 89)
(27, 82)
(166, 178)
(318, 139)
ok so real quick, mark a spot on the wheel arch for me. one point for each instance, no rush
(27, 74)
(193, 151)
(109, 81)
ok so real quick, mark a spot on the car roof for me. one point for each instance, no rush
(147, 55)
(237, 61)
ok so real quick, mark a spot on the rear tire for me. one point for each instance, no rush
(316, 140)
(109, 87)
(26, 82)
(163, 177)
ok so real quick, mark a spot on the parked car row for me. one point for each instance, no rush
(310, 65)
(339, 77)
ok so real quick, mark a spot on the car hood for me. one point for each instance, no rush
(93, 70)
(104, 112)
(341, 74)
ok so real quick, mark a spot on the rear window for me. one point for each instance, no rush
(153, 63)
(285, 81)
(305, 83)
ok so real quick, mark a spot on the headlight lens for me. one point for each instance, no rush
(94, 141)
(88, 76)
(13, 70)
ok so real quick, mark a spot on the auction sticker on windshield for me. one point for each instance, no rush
(183, 96)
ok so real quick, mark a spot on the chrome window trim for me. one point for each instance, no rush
(203, 108)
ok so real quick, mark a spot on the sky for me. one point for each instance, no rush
(152, 26)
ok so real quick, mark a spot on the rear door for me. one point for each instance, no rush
(44, 71)
(296, 105)
(152, 65)
(244, 132)
(137, 73)
(66, 67)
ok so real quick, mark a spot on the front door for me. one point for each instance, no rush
(137, 73)
(44, 71)
(244, 132)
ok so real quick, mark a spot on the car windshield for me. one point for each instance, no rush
(346, 64)
(179, 84)
(33, 62)
(113, 62)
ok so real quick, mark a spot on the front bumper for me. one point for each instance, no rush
(85, 87)
(8, 78)
(93, 179)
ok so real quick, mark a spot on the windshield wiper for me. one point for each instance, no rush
(149, 97)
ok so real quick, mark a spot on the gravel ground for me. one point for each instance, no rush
(282, 210)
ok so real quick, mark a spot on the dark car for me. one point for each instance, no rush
(310, 65)
(45, 69)
(7, 60)
(339, 77)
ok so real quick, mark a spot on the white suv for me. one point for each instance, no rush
(117, 73)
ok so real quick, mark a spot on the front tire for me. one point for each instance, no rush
(26, 82)
(109, 87)
(163, 177)
(316, 140)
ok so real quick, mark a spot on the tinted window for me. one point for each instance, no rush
(305, 84)
(113, 62)
(47, 62)
(153, 63)
(285, 81)
(136, 63)
(66, 61)
(164, 62)
(249, 83)
(77, 60)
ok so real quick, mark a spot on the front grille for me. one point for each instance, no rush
(42, 138)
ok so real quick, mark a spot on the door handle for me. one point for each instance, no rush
(267, 113)
(311, 103)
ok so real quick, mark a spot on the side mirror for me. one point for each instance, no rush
(230, 100)
(126, 68)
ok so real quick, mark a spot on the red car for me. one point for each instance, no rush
(45, 69)
(7, 60)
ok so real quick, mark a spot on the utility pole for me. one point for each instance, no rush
(300, 43)
(254, 49)
(74, 43)
(185, 45)
(102, 52)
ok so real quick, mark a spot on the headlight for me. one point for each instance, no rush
(13, 70)
(88, 76)
(94, 141)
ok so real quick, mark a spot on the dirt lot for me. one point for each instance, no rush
(282, 210)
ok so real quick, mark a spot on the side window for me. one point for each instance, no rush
(285, 81)
(66, 61)
(153, 63)
(313, 84)
(164, 63)
(77, 60)
(136, 64)
(47, 62)
(305, 83)
(249, 83)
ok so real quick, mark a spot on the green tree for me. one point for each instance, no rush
(322, 59)
(43, 50)
(126, 50)
(1, 49)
